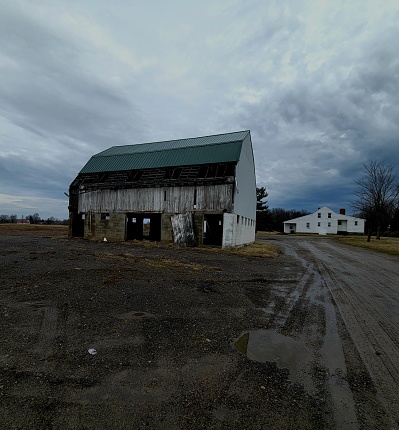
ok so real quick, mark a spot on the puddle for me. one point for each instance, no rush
(268, 346)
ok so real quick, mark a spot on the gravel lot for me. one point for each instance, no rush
(136, 336)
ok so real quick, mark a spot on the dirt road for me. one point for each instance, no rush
(365, 288)
(114, 336)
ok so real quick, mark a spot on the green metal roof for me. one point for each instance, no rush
(183, 152)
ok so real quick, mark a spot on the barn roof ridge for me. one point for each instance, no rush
(164, 145)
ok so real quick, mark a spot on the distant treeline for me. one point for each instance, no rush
(272, 219)
(31, 219)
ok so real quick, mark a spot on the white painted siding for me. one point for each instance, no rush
(237, 230)
(245, 192)
(328, 222)
(239, 227)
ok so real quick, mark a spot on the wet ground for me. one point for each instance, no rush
(107, 336)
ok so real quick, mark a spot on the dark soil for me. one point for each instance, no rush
(163, 323)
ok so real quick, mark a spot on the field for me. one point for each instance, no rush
(60, 231)
(387, 245)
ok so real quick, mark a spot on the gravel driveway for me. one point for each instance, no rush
(135, 336)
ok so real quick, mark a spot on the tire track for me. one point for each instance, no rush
(313, 288)
(48, 331)
(362, 315)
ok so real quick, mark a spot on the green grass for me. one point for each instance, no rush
(387, 245)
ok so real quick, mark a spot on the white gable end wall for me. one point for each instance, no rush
(245, 190)
(239, 226)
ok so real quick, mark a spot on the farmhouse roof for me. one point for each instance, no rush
(182, 152)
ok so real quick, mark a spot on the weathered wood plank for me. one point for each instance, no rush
(160, 199)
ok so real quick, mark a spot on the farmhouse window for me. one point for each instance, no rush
(329, 224)
(329, 215)
(319, 215)
(308, 225)
(105, 216)
(355, 222)
(318, 224)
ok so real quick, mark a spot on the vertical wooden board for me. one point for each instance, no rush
(178, 199)
(183, 229)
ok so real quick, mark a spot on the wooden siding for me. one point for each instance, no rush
(162, 199)
(183, 229)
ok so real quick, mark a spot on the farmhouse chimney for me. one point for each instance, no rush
(342, 211)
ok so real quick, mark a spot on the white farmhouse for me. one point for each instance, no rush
(325, 221)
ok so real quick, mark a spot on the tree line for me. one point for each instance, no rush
(376, 200)
(33, 219)
(272, 219)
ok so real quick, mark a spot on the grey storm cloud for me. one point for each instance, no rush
(49, 87)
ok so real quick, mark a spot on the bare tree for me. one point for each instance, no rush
(35, 218)
(4, 218)
(377, 194)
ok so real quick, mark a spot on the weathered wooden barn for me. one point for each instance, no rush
(196, 191)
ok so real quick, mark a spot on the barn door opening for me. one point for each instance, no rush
(78, 224)
(143, 226)
(133, 227)
(146, 228)
(213, 229)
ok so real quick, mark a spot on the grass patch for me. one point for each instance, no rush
(165, 263)
(257, 249)
(10, 229)
(387, 245)
(159, 263)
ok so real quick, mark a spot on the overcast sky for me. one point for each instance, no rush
(316, 83)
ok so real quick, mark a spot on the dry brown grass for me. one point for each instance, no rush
(257, 249)
(34, 230)
(163, 263)
(388, 245)
(265, 250)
